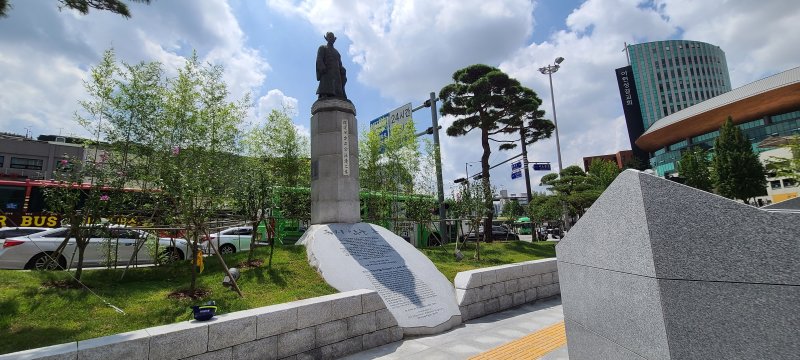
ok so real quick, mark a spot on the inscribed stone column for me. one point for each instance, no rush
(334, 162)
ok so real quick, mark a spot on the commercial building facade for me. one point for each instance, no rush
(23, 158)
(768, 107)
(621, 158)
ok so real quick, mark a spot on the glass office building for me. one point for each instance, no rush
(675, 74)
(769, 107)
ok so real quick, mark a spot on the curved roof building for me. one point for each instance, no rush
(767, 107)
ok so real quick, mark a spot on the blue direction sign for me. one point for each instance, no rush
(541, 166)
(516, 174)
(516, 165)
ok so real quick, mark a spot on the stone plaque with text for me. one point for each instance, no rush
(367, 256)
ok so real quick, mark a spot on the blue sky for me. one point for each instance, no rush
(395, 52)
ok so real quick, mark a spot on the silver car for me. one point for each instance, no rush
(230, 240)
(112, 245)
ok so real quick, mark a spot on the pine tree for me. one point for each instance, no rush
(486, 99)
(694, 167)
(738, 174)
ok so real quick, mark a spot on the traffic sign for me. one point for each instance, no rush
(516, 165)
(516, 174)
(541, 166)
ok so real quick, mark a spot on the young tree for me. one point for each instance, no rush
(738, 174)
(200, 132)
(694, 167)
(469, 203)
(512, 209)
(484, 98)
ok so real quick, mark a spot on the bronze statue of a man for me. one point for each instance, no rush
(330, 72)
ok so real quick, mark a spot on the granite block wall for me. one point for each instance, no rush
(326, 327)
(659, 270)
(488, 290)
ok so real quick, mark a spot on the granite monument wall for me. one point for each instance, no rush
(488, 290)
(325, 327)
(659, 270)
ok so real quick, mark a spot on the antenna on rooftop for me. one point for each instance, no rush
(627, 55)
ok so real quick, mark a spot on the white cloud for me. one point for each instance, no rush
(50, 52)
(276, 100)
(406, 49)
(759, 37)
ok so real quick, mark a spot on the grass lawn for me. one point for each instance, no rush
(492, 254)
(33, 315)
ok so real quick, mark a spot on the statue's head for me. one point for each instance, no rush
(330, 37)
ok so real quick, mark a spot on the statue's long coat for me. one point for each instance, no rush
(330, 73)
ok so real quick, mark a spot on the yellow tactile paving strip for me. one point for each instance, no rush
(532, 346)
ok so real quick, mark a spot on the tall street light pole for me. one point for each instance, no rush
(549, 70)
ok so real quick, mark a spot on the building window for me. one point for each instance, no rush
(789, 183)
(27, 164)
(2, 160)
(775, 184)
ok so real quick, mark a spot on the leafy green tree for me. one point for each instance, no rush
(469, 203)
(200, 133)
(512, 209)
(694, 167)
(485, 99)
(82, 206)
(544, 208)
(738, 174)
(286, 149)
(789, 168)
(573, 187)
(601, 173)
(83, 6)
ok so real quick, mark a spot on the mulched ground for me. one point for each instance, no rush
(62, 284)
(187, 294)
(251, 264)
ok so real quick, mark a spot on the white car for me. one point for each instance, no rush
(20, 231)
(230, 240)
(107, 245)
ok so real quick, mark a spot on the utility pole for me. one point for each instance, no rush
(525, 160)
(438, 160)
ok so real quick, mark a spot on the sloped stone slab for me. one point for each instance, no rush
(367, 256)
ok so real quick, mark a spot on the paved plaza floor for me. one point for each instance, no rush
(529, 331)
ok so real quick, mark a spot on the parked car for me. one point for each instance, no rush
(498, 233)
(230, 240)
(11, 232)
(106, 245)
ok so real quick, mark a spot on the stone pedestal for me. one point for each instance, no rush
(367, 256)
(334, 162)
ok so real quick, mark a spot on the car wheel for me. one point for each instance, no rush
(41, 262)
(227, 249)
(172, 255)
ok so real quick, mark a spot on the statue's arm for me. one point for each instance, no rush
(321, 69)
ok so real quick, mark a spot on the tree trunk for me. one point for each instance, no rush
(79, 270)
(194, 259)
(487, 190)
